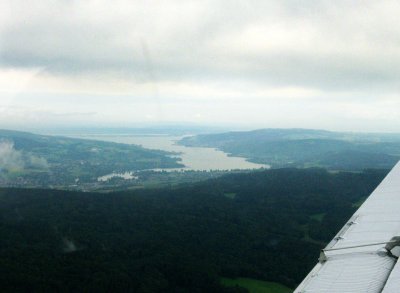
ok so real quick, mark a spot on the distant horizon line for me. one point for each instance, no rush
(181, 126)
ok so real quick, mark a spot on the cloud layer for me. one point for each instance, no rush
(169, 55)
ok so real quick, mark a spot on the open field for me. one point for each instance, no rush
(256, 286)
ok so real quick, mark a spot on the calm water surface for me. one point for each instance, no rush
(194, 158)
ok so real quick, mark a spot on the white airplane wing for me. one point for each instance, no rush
(363, 257)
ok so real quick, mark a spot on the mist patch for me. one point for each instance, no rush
(13, 160)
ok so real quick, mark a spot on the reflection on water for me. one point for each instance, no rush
(194, 158)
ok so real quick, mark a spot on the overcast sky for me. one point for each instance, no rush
(314, 64)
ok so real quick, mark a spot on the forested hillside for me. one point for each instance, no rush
(306, 148)
(28, 159)
(265, 225)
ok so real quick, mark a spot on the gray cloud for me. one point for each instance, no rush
(331, 64)
(320, 44)
(12, 160)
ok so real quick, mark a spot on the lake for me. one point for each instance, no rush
(194, 158)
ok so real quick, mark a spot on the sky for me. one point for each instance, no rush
(272, 63)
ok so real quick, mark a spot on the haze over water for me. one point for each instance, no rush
(194, 158)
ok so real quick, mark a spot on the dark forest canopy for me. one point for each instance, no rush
(306, 147)
(265, 225)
